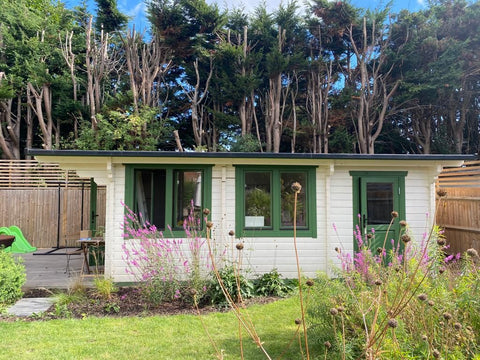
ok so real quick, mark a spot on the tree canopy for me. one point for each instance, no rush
(329, 78)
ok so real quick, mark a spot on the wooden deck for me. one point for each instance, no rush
(49, 271)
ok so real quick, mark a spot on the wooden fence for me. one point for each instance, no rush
(459, 211)
(48, 204)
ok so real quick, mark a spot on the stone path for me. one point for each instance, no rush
(30, 306)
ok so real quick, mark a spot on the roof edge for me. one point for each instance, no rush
(213, 155)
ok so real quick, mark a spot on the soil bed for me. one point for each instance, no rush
(127, 301)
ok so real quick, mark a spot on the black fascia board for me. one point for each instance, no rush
(213, 155)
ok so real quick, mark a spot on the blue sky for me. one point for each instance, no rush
(135, 9)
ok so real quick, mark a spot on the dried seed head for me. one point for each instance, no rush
(340, 309)
(422, 297)
(378, 282)
(472, 253)
(403, 223)
(398, 268)
(206, 212)
(441, 270)
(369, 236)
(406, 238)
(424, 337)
(193, 292)
(441, 242)
(393, 323)
(431, 303)
(209, 224)
(337, 250)
(296, 187)
(447, 316)
(298, 321)
(231, 233)
(239, 246)
(436, 353)
(327, 344)
(441, 192)
(379, 250)
(333, 311)
(457, 326)
(394, 214)
(310, 282)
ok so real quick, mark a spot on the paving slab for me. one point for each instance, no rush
(30, 306)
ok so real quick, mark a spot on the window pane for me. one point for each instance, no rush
(379, 202)
(150, 196)
(188, 192)
(257, 199)
(288, 199)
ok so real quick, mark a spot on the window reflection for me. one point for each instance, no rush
(257, 199)
(288, 199)
(379, 202)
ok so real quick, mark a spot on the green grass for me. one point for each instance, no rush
(157, 337)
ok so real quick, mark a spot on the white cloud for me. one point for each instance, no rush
(422, 3)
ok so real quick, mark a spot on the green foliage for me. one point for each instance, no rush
(119, 130)
(257, 203)
(109, 18)
(418, 306)
(235, 284)
(247, 143)
(104, 287)
(12, 278)
(272, 284)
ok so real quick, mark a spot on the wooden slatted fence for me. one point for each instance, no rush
(48, 204)
(459, 211)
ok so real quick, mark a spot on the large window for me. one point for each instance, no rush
(265, 203)
(165, 196)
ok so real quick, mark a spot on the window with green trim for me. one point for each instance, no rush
(265, 203)
(164, 196)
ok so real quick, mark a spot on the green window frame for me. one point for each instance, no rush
(359, 181)
(165, 202)
(270, 180)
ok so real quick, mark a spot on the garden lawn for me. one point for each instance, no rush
(158, 337)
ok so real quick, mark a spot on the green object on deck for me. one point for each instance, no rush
(20, 245)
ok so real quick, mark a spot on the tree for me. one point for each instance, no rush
(440, 74)
(109, 18)
(374, 86)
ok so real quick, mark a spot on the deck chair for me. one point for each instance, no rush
(69, 254)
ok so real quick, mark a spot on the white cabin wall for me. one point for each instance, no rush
(334, 206)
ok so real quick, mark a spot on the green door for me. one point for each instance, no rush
(376, 196)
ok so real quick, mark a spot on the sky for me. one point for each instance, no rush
(136, 9)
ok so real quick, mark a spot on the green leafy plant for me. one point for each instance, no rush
(272, 284)
(104, 287)
(413, 307)
(237, 285)
(257, 203)
(12, 278)
(168, 268)
(112, 308)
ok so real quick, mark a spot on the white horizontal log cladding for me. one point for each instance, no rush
(262, 254)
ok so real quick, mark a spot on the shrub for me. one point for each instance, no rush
(104, 287)
(168, 268)
(271, 284)
(12, 278)
(235, 284)
(418, 305)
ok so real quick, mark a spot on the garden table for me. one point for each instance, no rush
(90, 244)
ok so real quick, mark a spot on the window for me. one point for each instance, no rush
(164, 195)
(265, 201)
